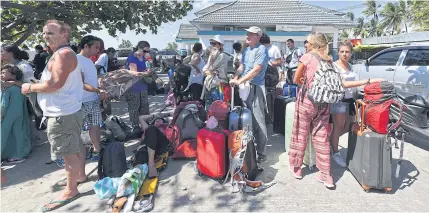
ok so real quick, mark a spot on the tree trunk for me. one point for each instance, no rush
(406, 28)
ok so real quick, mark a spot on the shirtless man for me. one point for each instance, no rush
(59, 94)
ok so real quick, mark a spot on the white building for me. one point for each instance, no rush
(281, 19)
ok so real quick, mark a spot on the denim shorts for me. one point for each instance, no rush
(339, 108)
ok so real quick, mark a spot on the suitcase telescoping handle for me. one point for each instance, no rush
(360, 115)
(232, 97)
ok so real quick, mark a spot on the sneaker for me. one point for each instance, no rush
(339, 160)
(16, 160)
(297, 172)
(60, 162)
(95, 156)
(326, 180)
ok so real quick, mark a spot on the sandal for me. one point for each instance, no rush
(60, 203)
(63, 182)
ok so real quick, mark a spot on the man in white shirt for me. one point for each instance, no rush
(273, 51)
(90, 46)
(291, 57)
(103, 60)
(274, 56)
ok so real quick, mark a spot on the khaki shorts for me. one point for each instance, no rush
(64, 135)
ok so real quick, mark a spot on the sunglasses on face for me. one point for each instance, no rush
(213, 43)
(145, 51)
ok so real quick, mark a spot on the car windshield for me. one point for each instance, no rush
(167, 52)
(124, 53)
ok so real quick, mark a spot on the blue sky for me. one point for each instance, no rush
(167, 31)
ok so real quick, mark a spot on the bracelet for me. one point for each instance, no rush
(29, 88)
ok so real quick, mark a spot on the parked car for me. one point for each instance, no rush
(122, 55)
(167, 58)
(407, 67)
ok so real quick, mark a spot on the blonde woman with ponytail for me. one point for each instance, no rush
(313, 116)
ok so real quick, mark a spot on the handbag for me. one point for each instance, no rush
(150, 78)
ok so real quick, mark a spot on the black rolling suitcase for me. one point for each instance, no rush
(369, 157)
(279, 113)
(271, 95)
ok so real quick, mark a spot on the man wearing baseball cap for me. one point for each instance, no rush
(251, 72)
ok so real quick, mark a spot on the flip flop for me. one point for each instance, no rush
(63, 182)
(60, 203)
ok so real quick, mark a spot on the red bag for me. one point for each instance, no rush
(186, 150)
(172, 132)
(379, 92)
(226, 93)
(220, 111)
(378, 98)
(212, 153)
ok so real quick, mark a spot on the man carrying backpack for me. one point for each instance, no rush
(252, 73)
(291, 57)
(271, 74)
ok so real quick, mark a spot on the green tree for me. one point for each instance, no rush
(392, 18)
(405, 11)
(125, 44)
(22, 20)
(374, 28)
(344, 35)
(371, 9)
(171, 46)
(420, 14)
(350, 16)
(360, 29)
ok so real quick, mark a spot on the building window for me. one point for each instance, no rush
(270, 29)
(219, 28)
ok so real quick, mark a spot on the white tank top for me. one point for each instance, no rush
(65, 101)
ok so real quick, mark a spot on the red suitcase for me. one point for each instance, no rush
(212, 153)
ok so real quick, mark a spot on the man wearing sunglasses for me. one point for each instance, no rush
(252, 70)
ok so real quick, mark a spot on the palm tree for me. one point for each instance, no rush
(371, 9)
(392, 17)
(344, 35)
(373, 28)
(405, 11)
(360, 28)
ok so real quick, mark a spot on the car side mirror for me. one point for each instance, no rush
(366, 62)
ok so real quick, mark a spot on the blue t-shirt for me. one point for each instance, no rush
(140, 86)
(255, 56)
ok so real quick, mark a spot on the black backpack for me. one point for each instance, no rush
(112, 162)
(271, 76)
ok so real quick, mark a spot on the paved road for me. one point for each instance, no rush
(29, 185)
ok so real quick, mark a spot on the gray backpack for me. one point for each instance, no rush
(112, 162)
(327, 86)
(189, 122)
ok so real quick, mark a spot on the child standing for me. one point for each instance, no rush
(15, 125)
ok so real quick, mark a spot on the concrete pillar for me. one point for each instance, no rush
(335, 41)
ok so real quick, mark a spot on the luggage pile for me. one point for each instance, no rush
(369, 154)
(228, 150)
